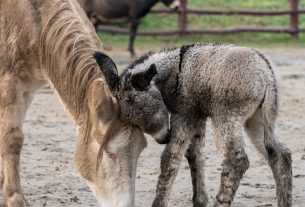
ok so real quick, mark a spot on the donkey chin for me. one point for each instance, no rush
(113, 183)
(113, 199)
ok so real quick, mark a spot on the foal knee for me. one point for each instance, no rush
(286, 157)
(279, 154)
(243, 162)
(237, 160)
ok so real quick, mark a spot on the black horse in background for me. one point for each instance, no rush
(133, 10)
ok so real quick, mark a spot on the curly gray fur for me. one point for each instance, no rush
(235, 87)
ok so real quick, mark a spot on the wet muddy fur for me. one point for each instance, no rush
(236, 88)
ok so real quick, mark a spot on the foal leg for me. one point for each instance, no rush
(235, 164)
(171, 157)
(13, 105)
(195, 158)
(277, 154)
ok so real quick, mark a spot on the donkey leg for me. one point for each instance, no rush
(1, 174)
(171, 158)
(133, 32)
(277, 154)
(195, 158)
(13, 104)
(235, 164)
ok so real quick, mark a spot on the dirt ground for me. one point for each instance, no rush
(48, 177)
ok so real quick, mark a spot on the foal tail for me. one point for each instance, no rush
(278, 155)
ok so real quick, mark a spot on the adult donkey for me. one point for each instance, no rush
(133, 10)
(235, 87)
(53, 42)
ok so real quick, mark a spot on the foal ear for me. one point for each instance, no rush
(140, 81)
(109, 69)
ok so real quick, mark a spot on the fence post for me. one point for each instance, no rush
(294, 18)
(182, 17)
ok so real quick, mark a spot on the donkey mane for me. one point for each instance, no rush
(67, 46)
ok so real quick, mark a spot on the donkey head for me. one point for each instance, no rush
(108, 149)
(140, 102)
(173, 4)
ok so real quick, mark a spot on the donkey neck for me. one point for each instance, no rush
(144, 7)
(67, 45)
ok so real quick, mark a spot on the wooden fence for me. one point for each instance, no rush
(182, 29)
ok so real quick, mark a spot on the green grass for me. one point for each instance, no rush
(165, 22)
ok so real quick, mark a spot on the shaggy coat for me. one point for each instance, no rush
(236, 88)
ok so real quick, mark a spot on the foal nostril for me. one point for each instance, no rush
(164, 139)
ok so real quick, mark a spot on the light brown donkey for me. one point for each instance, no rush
(52, 42)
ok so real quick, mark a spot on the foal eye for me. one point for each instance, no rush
(129, 100)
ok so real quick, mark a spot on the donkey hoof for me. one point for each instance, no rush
(16, 200)
(221, 204)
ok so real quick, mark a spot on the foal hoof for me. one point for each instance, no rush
(200, 204)
(16, 200)
(158, 203)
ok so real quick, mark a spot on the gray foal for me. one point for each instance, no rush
(236, 88)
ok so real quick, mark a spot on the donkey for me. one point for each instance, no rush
(235, 87)
(53, 42)
(133, 10)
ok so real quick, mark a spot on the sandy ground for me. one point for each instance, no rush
(48, 177)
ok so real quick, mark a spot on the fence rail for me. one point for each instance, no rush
(183, 12)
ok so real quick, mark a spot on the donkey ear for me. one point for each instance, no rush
(140, 81)
(109, 69)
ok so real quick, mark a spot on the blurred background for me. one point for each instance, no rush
(283, 23)
(50, 180)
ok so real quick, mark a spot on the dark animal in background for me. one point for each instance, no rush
(236, 88)
(132, 10)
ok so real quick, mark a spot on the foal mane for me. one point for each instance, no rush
(165, 50)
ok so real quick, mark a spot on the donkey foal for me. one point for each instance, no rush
(235, 87)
